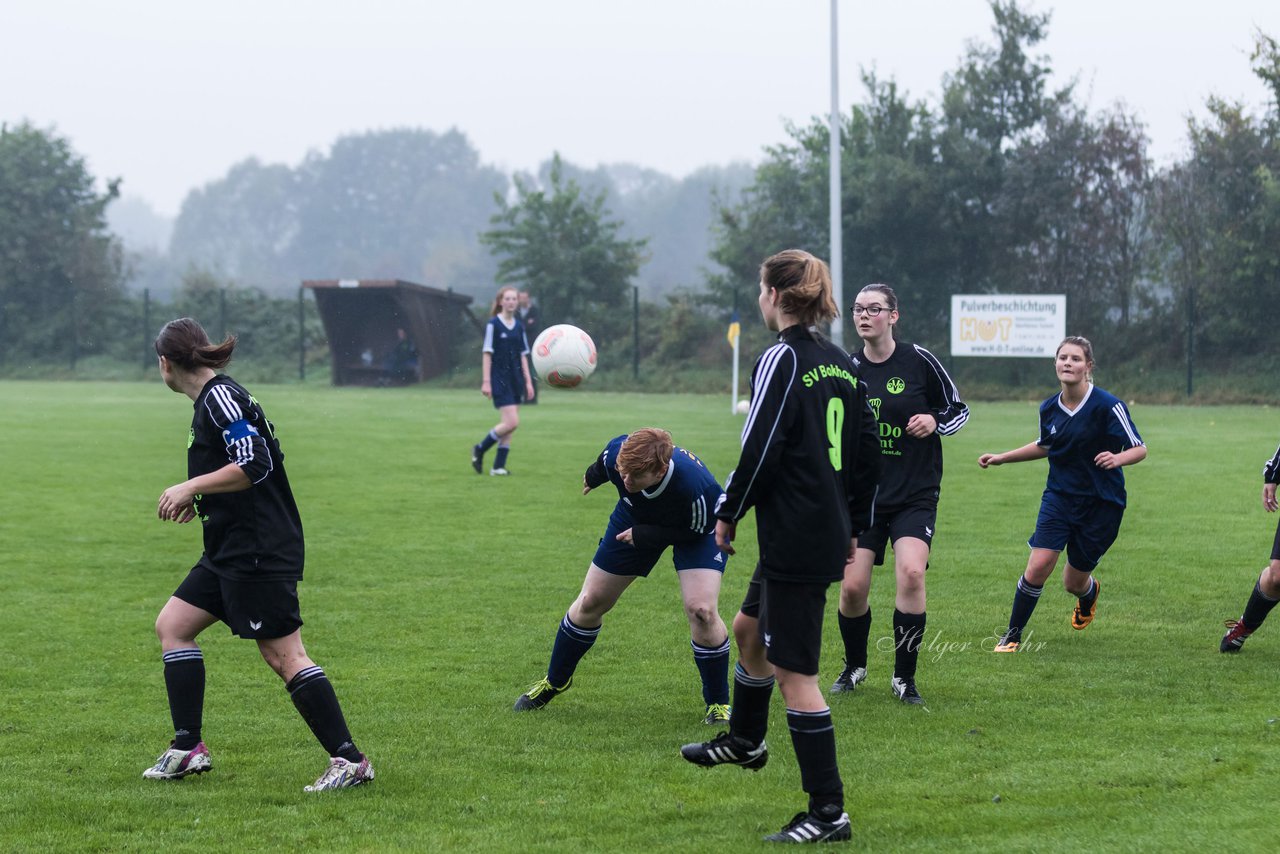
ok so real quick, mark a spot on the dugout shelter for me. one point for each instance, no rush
(361, 318)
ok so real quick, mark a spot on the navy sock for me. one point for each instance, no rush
(1257, 609)
(1024, 602)
(572, 642)
(184, 682)
(500, 459)
(1087, 600)
(487, 442)
(908, 632)
(814, 738)
(854, 632)
(316, 701)
(713, 667)
(751, 695)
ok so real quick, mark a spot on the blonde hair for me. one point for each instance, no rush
(803, 283)
(648, 449)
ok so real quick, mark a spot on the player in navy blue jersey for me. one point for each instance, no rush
(914, 402)
(248, 575)
(1266, 591)
(809, 463)
(1088, 436)
(504, 364)
(665, 499)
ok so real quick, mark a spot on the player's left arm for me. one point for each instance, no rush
(1120, 427)
(947, 412)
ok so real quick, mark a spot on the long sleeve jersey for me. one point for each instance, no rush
(810, 459)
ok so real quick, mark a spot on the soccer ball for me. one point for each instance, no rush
(744, 406)
(564, 355)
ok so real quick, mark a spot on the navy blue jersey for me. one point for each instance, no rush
(507, 344)
(910, 382)
(679, 508)
(254, 534)
(1074, 438)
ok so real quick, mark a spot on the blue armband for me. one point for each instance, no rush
(238, 430)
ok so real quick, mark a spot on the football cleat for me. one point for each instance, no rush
(807, 827)
(1233, 640)
(477, 458)
(175, 764)
(717, 713)
(539, 694)
(905, 690)
(1008, 643)
(1080, 619)
(342, 774)
(726, 748)
(849, 678)
(499, 472)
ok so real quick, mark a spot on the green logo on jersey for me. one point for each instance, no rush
(895, 385)
(875, 406)
(191, 438)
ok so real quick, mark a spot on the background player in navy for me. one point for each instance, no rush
(914, 402)
(808, 466)
(1266, 592)
(504, 364)
(253, 554)
(1088, 436)
(665, 498)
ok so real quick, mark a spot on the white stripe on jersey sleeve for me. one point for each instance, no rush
(767, 377)
(226, 402)
(768, 362)
(949, 391)
(488, 338)
(1126, 424)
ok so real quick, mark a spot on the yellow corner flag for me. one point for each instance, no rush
(734, 329)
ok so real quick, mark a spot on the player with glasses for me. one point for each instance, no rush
(914, 402)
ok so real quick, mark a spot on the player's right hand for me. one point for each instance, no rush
(1269, 497)
(989, 460)
(725, 532)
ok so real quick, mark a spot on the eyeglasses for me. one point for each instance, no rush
(868, 310)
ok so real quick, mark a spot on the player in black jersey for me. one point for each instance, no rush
(504, 363)
(253, 554)
(914, 402)
(809, 462)
(1266, 592)
(665, 499)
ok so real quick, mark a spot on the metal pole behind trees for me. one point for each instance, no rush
(302, 335)
(837, 242)
(635, 331)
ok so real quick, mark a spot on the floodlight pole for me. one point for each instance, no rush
(837, 243)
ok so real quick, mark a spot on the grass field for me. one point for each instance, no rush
(432, 595)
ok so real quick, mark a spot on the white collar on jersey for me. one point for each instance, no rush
(1079, 405)
(662, 484)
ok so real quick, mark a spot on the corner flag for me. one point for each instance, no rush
(735, 328)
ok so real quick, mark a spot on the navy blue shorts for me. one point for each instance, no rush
(910, 520)
(1085, 526)
(621, 558)
(507, 391)
(259, 610)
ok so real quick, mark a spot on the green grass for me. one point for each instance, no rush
(1133, 735)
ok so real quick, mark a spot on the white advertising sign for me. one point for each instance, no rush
(1007, 324)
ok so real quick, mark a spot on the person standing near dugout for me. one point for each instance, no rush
(914, 402)
(809, 463)
(665, 499)
(1266, 591)
(1088, 436)
(248, 575)
(504, 365)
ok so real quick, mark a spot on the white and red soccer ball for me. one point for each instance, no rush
(564, 356)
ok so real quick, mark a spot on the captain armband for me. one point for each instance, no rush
(238, 430)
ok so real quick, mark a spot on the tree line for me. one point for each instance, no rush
(1005, 184)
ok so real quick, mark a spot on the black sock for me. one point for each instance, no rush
(184, 682)
(1024, 602)
(490, 439)
(814, 738)
(1090, 596)
(908, 633)
(316, 701)
(713, 667)
(751, 695)
(571, 643)
(854, 632)
(1257, 609)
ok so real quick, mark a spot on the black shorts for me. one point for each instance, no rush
(917, 519)
(259, 610)
(790, 615)
(1275, 547)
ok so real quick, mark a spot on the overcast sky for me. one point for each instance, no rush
(168, 95)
